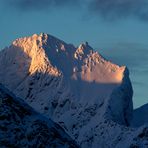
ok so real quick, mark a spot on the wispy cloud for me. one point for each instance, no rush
(106, 9)
(37, 5)
(118, 9)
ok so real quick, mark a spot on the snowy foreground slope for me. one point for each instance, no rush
(88, 96)
(21, 126)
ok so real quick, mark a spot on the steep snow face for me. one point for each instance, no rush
(25, 58)
(140, 116)
(76, 87)
(21, 126)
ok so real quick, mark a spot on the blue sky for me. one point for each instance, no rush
(119, 31)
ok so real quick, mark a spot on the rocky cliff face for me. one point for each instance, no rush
(90, 97)
(21, 126)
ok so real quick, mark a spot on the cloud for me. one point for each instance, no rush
(118, 9)
(106, 9)
(36, 5)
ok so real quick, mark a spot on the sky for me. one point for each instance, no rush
(118, 29)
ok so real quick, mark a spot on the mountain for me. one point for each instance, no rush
(90, 97)
(140, 116)
(21, 126)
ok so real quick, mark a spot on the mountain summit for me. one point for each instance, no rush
(90, 97)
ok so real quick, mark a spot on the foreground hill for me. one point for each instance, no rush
(90, 97)
(21, 126)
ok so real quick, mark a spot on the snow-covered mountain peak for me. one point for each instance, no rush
(47, 53)
(75, 87)
(71, 67)
(32, 48)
